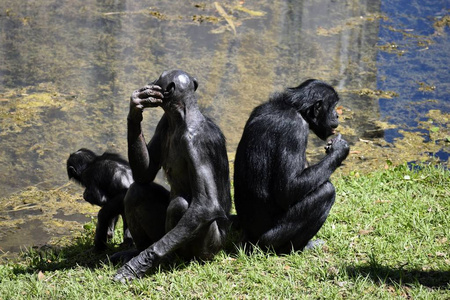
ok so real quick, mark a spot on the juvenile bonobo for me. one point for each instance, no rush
(191, 220)
(281, 202)
(106, 178)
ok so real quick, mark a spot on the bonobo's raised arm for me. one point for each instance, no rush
(145, 162)
(191, 150)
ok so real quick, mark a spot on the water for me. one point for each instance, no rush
(67, 69)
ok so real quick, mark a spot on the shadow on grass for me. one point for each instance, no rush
(398, 276)
(51, 258)
(81, 253)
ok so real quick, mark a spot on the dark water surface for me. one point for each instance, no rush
(67, 69)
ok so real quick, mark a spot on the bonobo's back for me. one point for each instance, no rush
(215, 146)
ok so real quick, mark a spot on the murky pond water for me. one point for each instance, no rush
(68, 67)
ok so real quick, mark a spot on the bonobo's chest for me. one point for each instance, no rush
(175, 164)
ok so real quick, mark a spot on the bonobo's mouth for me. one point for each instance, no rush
(333, 128)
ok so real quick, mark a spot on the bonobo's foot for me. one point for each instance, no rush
(136, 267)
(314, 244)
(123, 256)
(127, 242)
(100, 246)
(126, 273)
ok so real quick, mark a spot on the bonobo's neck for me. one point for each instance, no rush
(183, 111)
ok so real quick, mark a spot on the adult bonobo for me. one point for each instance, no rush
(191, 220)
(282, 202)
(106, 178)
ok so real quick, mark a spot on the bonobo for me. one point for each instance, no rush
(191, 220)
(106, 179)
(281, 202)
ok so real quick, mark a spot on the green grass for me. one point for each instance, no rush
(387, 237)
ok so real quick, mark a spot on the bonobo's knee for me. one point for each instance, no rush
(147, 193)
(178, 206)
(175, 212)
(328, 190)
(134, 195)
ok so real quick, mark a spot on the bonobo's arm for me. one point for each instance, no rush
(144, 165)
(314, 176)
(94, 196)
(203, 210)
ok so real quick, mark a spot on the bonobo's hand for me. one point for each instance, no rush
(148, 96)
(338, 144)
(136, 267)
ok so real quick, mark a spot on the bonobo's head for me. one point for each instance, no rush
(316, 101)
(176, 85)
(77, 163)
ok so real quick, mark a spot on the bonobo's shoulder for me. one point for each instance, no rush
(281, 100)
(213, 129)
(109, 160)
(275, 109)
(210, 122)
(206, 131)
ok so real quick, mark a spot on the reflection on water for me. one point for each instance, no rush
(67, 70)
(418, 64)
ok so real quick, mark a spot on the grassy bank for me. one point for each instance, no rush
(387, 237)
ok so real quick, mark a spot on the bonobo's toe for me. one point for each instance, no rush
(314, 244)
(125, 274)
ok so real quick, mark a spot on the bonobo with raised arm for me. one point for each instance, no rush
(192, 218)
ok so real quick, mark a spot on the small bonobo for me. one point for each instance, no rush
(192, 219)
(106, 178)
(281, 202)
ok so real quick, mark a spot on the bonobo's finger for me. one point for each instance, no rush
(147, 91)
(150, 87)
(150, 92)
(335, 139)
(151, 102)
(148, 96)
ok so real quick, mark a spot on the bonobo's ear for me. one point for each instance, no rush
(72, 172)
(195, 83)
(316, 109)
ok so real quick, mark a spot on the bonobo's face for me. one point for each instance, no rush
(176, 84)
(325, 119)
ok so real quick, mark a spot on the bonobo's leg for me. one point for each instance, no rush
(145, 210)
(207, 242)
(127, 238)
(119, 202)
(194, 226)
(177, 208)
(111, 227)
(145, 213)
(106, 221)
(206, 245)
(301, 222)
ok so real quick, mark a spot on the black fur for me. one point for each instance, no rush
(190, 220)
(106, 179)
(281, 202)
